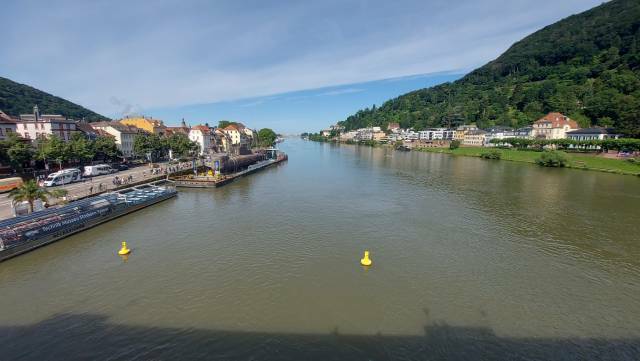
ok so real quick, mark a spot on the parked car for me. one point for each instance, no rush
(63, 177)
(96, 170)
(122, 166)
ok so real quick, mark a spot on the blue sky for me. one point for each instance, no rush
(289, 65)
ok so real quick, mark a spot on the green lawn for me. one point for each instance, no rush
(576, 160)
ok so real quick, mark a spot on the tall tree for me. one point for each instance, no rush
(267, 137)
(53, 148)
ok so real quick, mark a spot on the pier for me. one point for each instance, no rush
(212, 178)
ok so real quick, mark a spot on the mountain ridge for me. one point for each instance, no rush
(17, 98)
(586, 66)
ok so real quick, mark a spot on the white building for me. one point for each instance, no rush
(411, 135)
(350, 135)
(553, 126)
(205, 138)
(592, 134)
(124, 135)
(436, 134)
(40, 126)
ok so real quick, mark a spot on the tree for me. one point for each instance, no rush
(15, 151)
(225, 123)
(455, 144)
(53, 148)
(150, 146)
(105, 148)
(30, 192)
(80, 148)
(267, 137)
(180, 145)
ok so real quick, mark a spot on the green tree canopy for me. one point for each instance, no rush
(267, 137)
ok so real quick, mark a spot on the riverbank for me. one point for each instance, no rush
(576, 160)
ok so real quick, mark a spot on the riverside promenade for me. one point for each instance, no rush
(104, 183)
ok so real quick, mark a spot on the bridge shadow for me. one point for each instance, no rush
(92, 337)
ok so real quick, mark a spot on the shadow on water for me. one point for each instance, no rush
(92, 337)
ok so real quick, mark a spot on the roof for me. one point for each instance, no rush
(476, 132)
(231, 127)
(5, 119)
(203, 128)
(557, 120)
(45, 118)
(85, 127)
(117, 126)
(594, 130)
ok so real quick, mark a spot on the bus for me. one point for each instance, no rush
(9, 184)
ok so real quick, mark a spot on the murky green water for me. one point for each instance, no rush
(472, 259)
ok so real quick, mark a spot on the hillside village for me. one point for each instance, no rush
(552, 127)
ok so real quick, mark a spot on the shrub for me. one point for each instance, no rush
(553, 158)
(492, 154)
(455, 144)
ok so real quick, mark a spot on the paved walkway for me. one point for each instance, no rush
(93, 185)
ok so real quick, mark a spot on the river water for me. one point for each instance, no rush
(472, 259)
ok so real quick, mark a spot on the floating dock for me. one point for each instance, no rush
(194, 181)
(25, 233)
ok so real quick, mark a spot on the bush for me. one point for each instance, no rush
(492, 154)
(633, 160)
(553, 158)
(455, 144)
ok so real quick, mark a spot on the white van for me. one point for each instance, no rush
(62, 177)
(100, 169)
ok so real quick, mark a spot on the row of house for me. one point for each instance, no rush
(551, 126)
(234, 138)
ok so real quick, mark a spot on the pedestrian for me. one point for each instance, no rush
(91, 189)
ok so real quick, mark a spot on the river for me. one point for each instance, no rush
(472, 259)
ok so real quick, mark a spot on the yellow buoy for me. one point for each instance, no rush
(366, 261)
(124, 250)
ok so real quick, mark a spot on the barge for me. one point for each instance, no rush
(25, 233)
(273, 156)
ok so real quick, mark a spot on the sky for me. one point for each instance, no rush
(293, 66)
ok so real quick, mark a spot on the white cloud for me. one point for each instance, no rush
(126, 57)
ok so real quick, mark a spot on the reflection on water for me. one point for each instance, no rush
(523, 257)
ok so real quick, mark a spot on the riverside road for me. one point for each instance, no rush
(92, 185)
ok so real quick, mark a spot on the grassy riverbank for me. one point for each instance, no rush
(576, 160)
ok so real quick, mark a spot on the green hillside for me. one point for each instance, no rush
(16, 98)
(586, 66)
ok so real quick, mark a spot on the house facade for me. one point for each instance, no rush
(7, 125)
(124, 135)
(592, 134)
(205, 137)
(553, 126)
(40, 126)
(149, 125)
(474, 138)
(436, 134)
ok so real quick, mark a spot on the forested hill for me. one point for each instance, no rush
(16, 98)
(586, 66)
